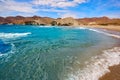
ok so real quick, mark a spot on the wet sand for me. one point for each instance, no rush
(114, 73)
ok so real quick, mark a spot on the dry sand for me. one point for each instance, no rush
(110, 27)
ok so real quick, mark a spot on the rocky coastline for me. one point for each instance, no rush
(69, 21)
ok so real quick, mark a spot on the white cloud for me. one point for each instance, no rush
(11, 5)
(53, 10)
(58, 3)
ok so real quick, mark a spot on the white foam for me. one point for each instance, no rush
(1, 54)
(13, 35)
(108, 34)
(98, 66)
(81, 28)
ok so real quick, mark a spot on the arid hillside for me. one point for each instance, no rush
(37, 20)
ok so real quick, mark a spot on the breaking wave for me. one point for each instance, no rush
(98, 66)
(108, 34)
(13, 35)
(7, 46)
(99, 31)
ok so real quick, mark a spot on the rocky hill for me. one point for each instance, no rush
(99, 21)
(69, 21)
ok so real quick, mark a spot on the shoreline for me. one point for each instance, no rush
(114, 73)
(108, 27)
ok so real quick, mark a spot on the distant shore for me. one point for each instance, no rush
(108, 27)
(68, 21)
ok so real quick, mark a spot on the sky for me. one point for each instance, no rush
(61, 8)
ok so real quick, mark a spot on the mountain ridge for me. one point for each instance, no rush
(68, 21)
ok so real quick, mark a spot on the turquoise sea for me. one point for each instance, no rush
(55, 53)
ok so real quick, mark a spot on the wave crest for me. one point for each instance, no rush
(13, 35)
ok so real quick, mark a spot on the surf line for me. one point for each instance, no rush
(108, 34)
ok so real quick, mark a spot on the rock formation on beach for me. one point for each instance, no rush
(69, 21)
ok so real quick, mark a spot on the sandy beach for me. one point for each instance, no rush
(114, 73)
(110, 27)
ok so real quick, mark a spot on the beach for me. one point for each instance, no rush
(109, 27)
(114, 73)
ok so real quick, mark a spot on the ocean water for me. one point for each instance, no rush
(56, 53)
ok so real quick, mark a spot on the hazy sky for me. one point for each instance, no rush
(60, 8)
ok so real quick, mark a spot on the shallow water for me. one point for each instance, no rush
(48, 53)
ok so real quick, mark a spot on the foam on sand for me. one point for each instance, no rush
(98, 66)
(108, 34)
(13, 35)
(99, 31)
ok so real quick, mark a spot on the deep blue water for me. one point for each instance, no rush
(4, 48)
(47, 53)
